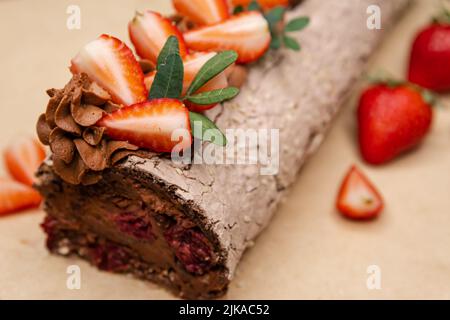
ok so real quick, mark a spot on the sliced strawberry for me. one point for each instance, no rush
(151, 125)
(203, 12)
(247, 33)
(358, 199)
(192, 65)
(265, 4)
(15, 196)
(23, 158)
(148, 79)
(149, 32)
(110, 63)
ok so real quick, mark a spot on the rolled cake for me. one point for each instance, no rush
(186, 226)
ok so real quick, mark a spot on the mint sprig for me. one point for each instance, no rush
(168, 83)
(297, 24)
(170, 47)
(212, 68)
(213, 97)
(282, 37)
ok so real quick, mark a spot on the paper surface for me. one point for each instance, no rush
(308, 251)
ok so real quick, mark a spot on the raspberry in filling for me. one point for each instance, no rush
(138, 227)
(191, 248)
(110, 257)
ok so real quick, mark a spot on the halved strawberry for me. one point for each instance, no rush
(23, 158)
(149, 32)
(246, 33)
(203, 12)
(151, 125)
(15, 196)
(358, 199)
(192, 65)
(110, 63)
(265, 4)
(148, 79)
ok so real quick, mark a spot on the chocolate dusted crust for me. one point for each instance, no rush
(229, 205)
(133, 228)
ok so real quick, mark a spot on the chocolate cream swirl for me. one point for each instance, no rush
(80, 150)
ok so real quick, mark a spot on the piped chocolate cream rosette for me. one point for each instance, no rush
(80, 150)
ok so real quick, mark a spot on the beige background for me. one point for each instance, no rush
(308, 251)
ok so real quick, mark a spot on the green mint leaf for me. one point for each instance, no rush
(168, 81)
(214, 96)
(206, 124)
(275, 15)
(291, 43)
(254, 6)
(238, 9)
(170, 47)
(212, 68)
(275, 43)
(297, 24)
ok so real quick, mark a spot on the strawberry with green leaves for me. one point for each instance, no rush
(429, 65)
(192, 65)
(163, 122)
(392, 118)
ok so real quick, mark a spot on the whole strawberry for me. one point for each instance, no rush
(430, 56)
(392, 119)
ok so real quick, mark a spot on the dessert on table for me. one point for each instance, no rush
(114, 195)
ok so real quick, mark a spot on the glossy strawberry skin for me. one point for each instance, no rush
(149, 32)
(391, 120)
(246, 33)
(430, 58)
(150, 124)
(203, 12)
